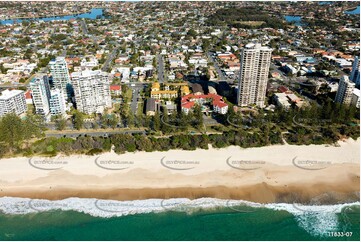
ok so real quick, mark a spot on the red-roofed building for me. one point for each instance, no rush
(115, 90)
(219, 106)
(186, 107)
(28, 97)
(283, 89)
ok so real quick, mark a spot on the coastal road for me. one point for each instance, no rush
(75, 134)
(160, 68)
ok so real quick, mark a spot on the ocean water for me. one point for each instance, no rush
(174, 219)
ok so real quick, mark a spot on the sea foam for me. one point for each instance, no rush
(316, 220)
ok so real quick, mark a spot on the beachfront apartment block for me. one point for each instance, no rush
(40, 90)
(60, 74)
(355, 73)
(255, 61)
(356, 98)
(47, 101)
(91, 91)
(12, 102)
(57, 102)
(345, 91)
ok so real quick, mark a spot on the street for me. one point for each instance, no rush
(136, 88)
(84, 27)
(220, 74)
(63, 53)
(160, 68)
(75, 134)
(110, 59)
(135, 95)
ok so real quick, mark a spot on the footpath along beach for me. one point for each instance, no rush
(282, 173)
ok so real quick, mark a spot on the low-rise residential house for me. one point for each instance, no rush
(150, 107)
(125, 73)
(170, 107)
(290, 69)
(89, 62)
(281, 100)
(176, 63)
(197, 89)
(115, 90)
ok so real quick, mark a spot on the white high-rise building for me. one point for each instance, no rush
(356, 98)
(12, 102)
(61, 78)
(255, 61)
(355, 73)
(91, 90)
(345, 91)
(57, 102)
(40, 91)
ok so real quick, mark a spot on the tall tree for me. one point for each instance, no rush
(198, 116)
(78, 120)
(11, 130)
(60, 122)
(156, 121)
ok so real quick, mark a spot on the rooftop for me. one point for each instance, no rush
(9, 94)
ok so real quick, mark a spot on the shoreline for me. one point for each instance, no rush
(325, 194)
(40, 17)
(315, 174)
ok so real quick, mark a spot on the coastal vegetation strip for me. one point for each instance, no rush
(311, 125)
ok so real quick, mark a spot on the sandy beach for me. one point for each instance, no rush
(282, 173)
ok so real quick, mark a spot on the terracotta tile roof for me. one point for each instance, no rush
(28, 95)
(216, 100)
(188, 105)
(115, 87)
